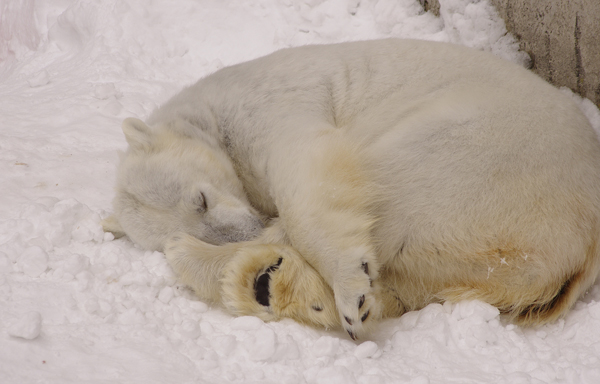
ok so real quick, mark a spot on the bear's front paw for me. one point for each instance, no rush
(354, 289)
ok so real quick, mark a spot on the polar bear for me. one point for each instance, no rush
(390, 174)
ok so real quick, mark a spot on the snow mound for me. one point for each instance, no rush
(27, 326)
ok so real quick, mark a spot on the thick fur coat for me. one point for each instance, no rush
(395, 173)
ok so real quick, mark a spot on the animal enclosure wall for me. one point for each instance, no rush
(561, 37)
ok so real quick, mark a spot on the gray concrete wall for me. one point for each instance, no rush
(561, 36)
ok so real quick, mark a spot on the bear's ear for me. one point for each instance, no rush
(137, 133)
(111, 224)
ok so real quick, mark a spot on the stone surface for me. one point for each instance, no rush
(561, 36)
(431, 5)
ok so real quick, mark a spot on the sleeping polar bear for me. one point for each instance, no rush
(391, 174)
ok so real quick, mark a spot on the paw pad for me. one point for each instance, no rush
(261, 289)
(262, 284)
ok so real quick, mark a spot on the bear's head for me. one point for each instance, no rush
(171, 182)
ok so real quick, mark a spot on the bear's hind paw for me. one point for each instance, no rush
(273, 282)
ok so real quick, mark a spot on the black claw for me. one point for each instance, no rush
(352, 335)
(365, 267)
(361, 301)
(274, 267)
(365, 316)
(348, 320)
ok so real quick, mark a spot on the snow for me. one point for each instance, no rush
(27, 326)
(77, 306)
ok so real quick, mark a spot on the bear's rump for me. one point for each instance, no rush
(479, 193)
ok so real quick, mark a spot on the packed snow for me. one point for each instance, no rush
(77, 306)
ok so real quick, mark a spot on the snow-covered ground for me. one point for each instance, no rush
(77, 306)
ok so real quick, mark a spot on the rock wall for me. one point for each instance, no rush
(561, 36)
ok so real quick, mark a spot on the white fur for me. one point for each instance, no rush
(165, 183)
(448, 172)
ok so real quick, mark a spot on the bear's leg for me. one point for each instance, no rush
(198, 264)
(325, 203)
